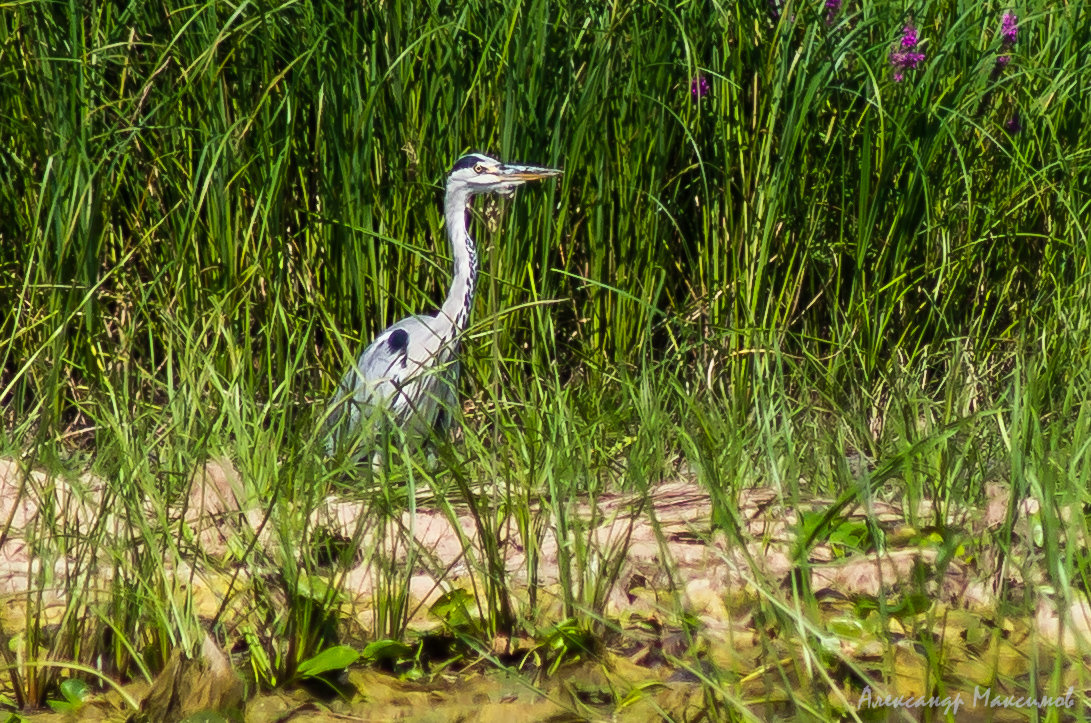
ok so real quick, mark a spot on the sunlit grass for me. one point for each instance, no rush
(814, 279)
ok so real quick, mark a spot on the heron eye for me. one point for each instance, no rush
(479, 168)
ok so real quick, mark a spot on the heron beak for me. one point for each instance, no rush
(528, 173)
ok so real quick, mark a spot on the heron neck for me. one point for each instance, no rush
(460, 299)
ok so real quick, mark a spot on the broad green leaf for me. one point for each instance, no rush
(335, 658)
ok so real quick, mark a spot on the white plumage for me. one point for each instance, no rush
(408, 376)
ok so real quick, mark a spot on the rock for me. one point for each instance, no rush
(191, 685)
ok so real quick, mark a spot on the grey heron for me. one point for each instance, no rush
(408, 376)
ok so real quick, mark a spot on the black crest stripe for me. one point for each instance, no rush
(468, 161)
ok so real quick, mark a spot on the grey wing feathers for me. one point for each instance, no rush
(407, 377)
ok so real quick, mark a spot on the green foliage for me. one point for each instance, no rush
(453, 609)
(74, 694)
(568, 642)
(337, 657)
(814, 278)
(391, 654)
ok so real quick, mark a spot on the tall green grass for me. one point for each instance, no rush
(810, 276)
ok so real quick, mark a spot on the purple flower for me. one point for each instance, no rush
(832, 6)
(906, 58)
(909, 36)
(1009, 34)
(1013, 125)
(1009, 29)
(698, 87)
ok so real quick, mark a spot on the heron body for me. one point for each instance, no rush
(408, 376)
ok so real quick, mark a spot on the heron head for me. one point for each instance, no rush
(477, 173)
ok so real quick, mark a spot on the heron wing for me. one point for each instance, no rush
(408, 375)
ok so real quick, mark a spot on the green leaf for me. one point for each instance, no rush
(336, 658)
(391, 651)
(454, 608)
(60, 706)
(75, 690)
